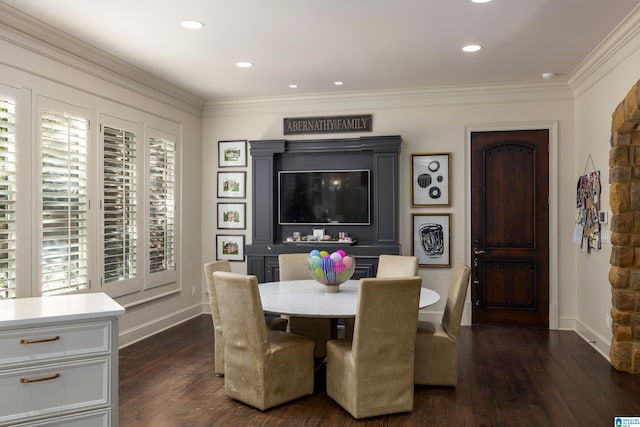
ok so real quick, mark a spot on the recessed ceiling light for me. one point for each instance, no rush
(293, 86)
(192, 25)
(548, 76)
(480, 1)
(471, 48)
(244, 64)
(338, 83)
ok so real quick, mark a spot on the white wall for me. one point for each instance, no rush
(598, 95)
(428, 121)
(33, 68)
(432, 121)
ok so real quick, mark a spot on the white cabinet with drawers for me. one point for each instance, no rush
(59, 361)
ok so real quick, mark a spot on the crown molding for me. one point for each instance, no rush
(406, 98)
(622, 42)
(54, 44)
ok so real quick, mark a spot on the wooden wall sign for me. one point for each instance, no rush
(333, 124)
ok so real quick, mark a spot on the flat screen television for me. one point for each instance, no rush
(324, 197)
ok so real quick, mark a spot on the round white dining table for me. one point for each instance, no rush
(308, 298)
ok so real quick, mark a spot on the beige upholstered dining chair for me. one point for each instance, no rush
(397, 266)
(263, 368)
(436, 343)
(218, 339)
(372, 374)
(389, 266)
(294, 267)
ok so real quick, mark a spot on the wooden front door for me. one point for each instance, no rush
(510, 227)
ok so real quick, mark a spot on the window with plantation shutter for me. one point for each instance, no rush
(161, 216)
(64, 203)
(87, 208)
(120, 206)
(7, 198)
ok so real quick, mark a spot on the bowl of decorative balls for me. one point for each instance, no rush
(331, 269)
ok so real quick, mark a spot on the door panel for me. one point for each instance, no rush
(510, 227)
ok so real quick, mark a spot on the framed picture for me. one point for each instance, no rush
(431, 239)
(231, 184)
(318, 232)
(232, 215)
(232, 153)
(230, 247)
(430, 179)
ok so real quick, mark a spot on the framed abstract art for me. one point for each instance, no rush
(430, 180)
(431, 235)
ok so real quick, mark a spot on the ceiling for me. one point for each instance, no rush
(370, 45)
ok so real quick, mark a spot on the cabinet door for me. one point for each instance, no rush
(365, 267)
(272, 268)
(255, 266)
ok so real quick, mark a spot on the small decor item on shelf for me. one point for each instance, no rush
(343, 237)
(331, 269)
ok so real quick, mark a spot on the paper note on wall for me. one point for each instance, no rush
(577, 234)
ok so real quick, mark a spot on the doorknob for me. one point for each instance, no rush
(477, 251)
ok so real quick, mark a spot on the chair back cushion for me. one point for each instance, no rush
(386, 320)
(218, 343)
(373, 373)
(243, 323)
(455, 301)
(209, 269)
(261, 368)
(397, 266)
(294, 266)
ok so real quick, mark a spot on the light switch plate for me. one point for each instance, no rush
(604, 217)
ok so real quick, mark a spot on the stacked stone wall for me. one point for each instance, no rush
(624, 200)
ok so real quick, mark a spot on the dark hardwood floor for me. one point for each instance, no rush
(507, 377)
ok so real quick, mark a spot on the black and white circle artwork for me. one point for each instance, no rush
(431, 179)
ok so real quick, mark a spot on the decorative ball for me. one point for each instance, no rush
(348, 262)
(331, 269)
(314, 262)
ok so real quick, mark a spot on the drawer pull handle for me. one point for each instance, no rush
(26, 380)
(56, 338)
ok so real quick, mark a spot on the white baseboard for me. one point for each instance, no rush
(206, 308)
(597, 341)
(145, 330)
(566, 324)
(429, 316)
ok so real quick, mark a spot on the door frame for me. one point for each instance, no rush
(552, 127)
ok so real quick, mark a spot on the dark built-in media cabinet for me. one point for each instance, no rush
(376, 154)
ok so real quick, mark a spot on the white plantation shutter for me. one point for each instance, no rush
(120, 207)
(64, 199)
(7, 199)
(161, 217)
(95, 209)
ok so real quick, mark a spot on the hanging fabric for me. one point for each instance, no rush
(587, 230)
